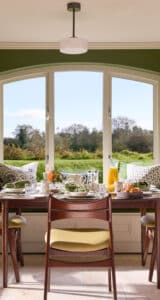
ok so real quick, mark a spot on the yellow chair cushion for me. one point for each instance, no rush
(15, 221)
(80, 240)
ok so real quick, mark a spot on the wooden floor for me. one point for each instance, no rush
(69, 284)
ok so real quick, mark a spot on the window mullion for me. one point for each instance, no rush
(156, 123)
(1, 124)
(49, 120)
(107, 123)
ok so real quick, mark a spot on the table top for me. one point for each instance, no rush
(41, 201)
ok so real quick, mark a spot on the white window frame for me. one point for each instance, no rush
(108, 72)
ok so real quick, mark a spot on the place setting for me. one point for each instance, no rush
(79, 186)
(23, 188)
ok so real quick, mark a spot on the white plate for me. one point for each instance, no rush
(147, 193)
(87, 195)
(78, 194)
(13, 190)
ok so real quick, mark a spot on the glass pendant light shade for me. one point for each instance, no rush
(74, 45)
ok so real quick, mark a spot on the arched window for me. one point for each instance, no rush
(79, 111)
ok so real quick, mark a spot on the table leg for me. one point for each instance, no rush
(143, 233)
(158, 242)
(5, 242)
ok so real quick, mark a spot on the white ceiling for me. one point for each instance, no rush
(105, 23)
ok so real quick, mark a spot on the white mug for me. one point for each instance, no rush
(118, 186)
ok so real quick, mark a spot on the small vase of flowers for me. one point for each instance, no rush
(53, 177)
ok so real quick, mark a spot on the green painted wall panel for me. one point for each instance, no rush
(142, 59)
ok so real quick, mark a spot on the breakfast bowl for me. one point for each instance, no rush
(122, 195)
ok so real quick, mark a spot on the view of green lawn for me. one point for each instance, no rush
(80, 165)
(79, 149)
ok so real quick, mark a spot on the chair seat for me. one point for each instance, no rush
(80, 240)
(15, 221)
(148, 220)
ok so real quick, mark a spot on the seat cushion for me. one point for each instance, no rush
(80, 240)
(15, 221)
(148, 220)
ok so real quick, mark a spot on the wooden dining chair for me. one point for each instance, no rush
(147, 235)
(15, 224)
(84, 244)
(21, 220)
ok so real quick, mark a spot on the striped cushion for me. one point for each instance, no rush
(80, 240)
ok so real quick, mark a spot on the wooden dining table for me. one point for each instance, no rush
(41, 201)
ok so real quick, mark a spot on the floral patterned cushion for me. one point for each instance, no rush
(29, 169)
(149, 174)
(11, 174)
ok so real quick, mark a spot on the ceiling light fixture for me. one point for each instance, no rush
(73, 45)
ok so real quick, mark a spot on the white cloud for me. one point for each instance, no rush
(27, 114)
(145, 124)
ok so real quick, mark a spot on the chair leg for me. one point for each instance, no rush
(114, 282)
(143, 234)
(46, 281)
(153, 259)
(146, 247)
(19, 248)
(146, 243)
(13, 251)
(109, 280)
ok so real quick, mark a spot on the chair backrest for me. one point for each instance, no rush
(90, 209)
(86, 208)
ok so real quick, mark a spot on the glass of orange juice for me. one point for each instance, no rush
(112, 177)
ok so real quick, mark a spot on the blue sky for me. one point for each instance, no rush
(78, 99)
(24, 103)
(133, 99)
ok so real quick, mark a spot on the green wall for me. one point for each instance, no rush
(143, 59)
